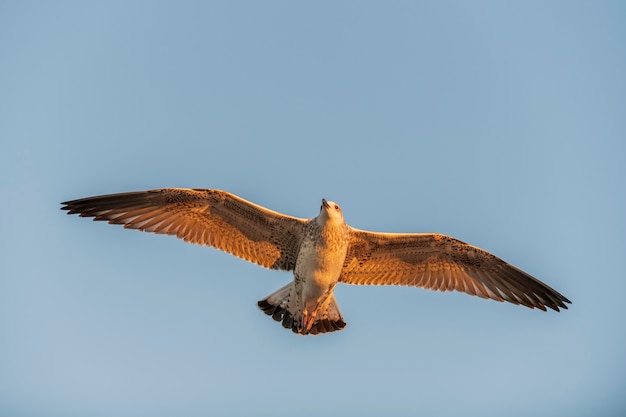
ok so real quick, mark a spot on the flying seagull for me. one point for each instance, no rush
(321, 252)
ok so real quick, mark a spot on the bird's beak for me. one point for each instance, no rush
(325, 203)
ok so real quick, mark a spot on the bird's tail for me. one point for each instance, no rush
(278, 305)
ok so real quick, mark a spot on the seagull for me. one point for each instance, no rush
(321, 252)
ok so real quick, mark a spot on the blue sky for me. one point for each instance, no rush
(499, 123)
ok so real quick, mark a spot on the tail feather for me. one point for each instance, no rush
(277, 306)
(273, 304)
(330, 319)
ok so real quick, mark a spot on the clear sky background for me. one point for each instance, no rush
(502, 124)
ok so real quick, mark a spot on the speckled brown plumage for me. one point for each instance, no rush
(204, 217)
(438, 262)
(312, 247)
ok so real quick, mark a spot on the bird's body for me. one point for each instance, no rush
(321, 252)
(318, 267)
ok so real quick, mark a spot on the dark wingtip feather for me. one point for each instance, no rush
(66, 205)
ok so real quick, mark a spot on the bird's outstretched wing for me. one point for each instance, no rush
(207, 217)
(439, 262)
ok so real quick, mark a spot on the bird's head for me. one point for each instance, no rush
(330, 212)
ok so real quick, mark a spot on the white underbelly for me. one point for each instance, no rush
(318, 268)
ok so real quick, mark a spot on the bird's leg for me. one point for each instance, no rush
(308, 318)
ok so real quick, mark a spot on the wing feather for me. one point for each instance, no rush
(203, 216)
(442, 263)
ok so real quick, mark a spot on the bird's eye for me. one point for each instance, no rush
(336, 207)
